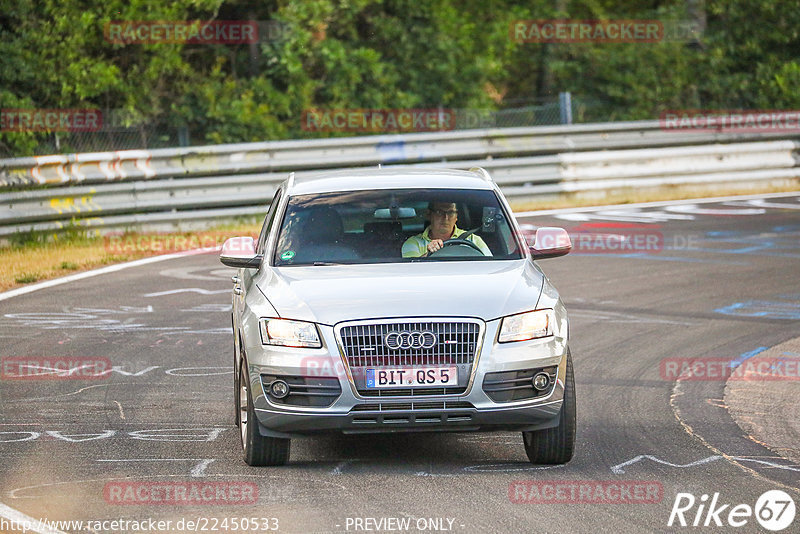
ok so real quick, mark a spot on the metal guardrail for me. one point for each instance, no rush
(206, 183)
(275, 156)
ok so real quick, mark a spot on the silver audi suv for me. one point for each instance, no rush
(397, 300)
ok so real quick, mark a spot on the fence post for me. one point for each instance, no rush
(183, 136)
(565, 107)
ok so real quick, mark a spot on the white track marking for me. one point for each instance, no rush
(197, 471)
(193, 371)
(31, 436)
(762, 203)
(118, 369)
(153, 435)
(633, 215)
(51, 397)
(121, 412)
(620, 468)
(696, 210)
(191, 273)
(505, 468)
(89, 274)
(619, 317)
(659, 204)
(79, 438)
(340, 466)
(197, 290)
(209, 308)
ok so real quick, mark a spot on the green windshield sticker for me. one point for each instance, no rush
(288, 255)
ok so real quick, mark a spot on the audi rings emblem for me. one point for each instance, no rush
(410, 340)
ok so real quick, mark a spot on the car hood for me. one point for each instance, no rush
(333, 293)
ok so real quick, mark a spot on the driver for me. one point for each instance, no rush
(443, 217)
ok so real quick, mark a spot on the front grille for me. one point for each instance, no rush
(413, 406)
(414, 414)
(364, 345)
(414, 420)
(411, 392)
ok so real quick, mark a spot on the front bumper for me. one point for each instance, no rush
(295, 424)
(352, 413)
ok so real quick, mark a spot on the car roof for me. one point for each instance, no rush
(388, 178)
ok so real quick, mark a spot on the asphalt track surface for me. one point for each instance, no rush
(725, 284)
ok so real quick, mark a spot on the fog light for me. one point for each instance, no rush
(279, 389)
(541, 381)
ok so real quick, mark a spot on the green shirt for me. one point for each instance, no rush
(416, 246)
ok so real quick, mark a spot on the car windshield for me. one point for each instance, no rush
(387, 226)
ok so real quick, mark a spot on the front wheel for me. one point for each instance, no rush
(556, 445)
(258, 450)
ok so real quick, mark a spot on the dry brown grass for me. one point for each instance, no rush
(36, 261)
(25, 265)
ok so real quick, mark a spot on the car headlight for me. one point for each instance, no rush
(289, 333)
(524, 326)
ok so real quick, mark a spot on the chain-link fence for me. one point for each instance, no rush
(112, 136)
(109, 139)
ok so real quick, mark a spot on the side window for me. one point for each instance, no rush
(268, 220)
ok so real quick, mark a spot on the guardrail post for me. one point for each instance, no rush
(565, 107)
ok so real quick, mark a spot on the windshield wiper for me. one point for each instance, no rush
(326, 263)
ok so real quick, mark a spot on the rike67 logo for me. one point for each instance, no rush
(774, 510)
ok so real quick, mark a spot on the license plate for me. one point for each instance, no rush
(406, 377)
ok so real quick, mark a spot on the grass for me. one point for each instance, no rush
(28, 263)
(29, 258)
(32, 257)
(26, 278)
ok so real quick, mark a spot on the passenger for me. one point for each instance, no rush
(443, 217)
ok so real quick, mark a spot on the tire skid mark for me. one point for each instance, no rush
(678, 392)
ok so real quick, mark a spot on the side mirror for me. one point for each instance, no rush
(240, 252)
(551, 242)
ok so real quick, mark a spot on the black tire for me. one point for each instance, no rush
(556, 445)
(235, 400)
(235, 383)
(258, 450)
